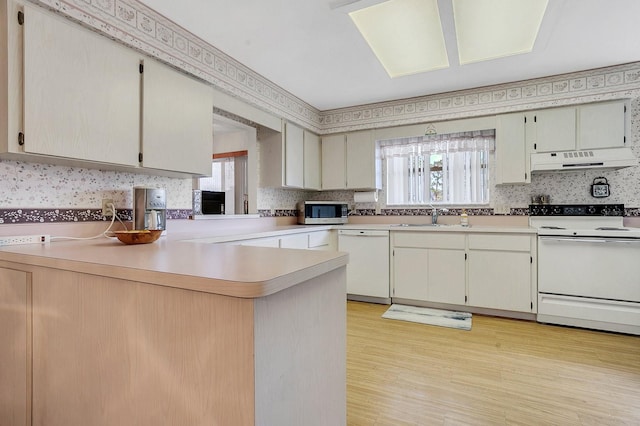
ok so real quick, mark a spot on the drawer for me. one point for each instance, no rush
(440, 240)
(500, 242)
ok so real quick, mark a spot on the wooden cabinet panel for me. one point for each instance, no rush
(81, 92)
(15, 344)
(120, 352)
(177, 121)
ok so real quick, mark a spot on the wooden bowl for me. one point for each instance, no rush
(138, 236)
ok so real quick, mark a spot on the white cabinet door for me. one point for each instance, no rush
(334, 162)
(177, 123)
(296, 241)
(361, 160)
(312, 161)
(601, 125)
(500, 280)
(555, 130)
(81, 92)
(512, 157)
(293, 156)
(501, 272)
(410, 269)
(446, 276)
(323, 240)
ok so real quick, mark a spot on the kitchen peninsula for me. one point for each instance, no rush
(172, 333)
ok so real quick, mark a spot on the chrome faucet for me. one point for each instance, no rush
(435, 214)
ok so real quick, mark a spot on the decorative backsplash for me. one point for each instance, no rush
(32, 192)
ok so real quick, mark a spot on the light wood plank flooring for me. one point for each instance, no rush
(502, 372)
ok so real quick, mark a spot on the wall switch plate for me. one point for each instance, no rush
(107, 210)
(24, 239)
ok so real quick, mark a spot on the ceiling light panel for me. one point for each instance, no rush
(405, 35)
(489, 29)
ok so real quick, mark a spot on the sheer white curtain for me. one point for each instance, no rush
(464, 168)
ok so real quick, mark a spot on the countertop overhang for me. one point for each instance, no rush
(231, 270)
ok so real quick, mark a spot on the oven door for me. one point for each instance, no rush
(601, 268)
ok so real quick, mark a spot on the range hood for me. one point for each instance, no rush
(608, 158)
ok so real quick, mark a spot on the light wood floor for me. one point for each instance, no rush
(501, 372)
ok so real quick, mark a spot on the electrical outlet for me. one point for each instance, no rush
(24, 239)
(107, 210)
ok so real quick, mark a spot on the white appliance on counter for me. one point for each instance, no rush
(368, 267)
(588, 267)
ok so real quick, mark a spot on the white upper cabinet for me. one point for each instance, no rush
(282, 157)
(312, 161)
(293, 156)
(334, 162)
(177, 121)
(587, 126)
(601, 125)
(74, 97)
(350, 161)
(362, 164)
(512, 156)
(81, 92)
(555, 130)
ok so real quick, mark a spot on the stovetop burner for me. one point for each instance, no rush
(581, 220)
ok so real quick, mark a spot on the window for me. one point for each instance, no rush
(439, 169)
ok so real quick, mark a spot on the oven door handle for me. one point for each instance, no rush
(592, 240)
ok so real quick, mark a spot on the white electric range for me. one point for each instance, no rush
(588, 267)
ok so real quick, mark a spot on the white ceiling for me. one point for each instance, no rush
(317, 54)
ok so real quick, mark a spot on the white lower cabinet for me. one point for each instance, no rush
(429, 266)
(483, 270)
(502, 272)
(316, 240)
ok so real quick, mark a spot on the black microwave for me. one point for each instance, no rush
(322, 212)
(208, 202)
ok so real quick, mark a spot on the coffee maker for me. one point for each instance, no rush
(149, 208)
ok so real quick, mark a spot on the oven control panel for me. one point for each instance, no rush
(576, 210)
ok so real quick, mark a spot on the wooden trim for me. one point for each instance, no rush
(230, 154)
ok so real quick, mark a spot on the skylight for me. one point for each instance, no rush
(489, 29)
(405, 35)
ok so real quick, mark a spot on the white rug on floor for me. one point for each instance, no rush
(439, 317)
